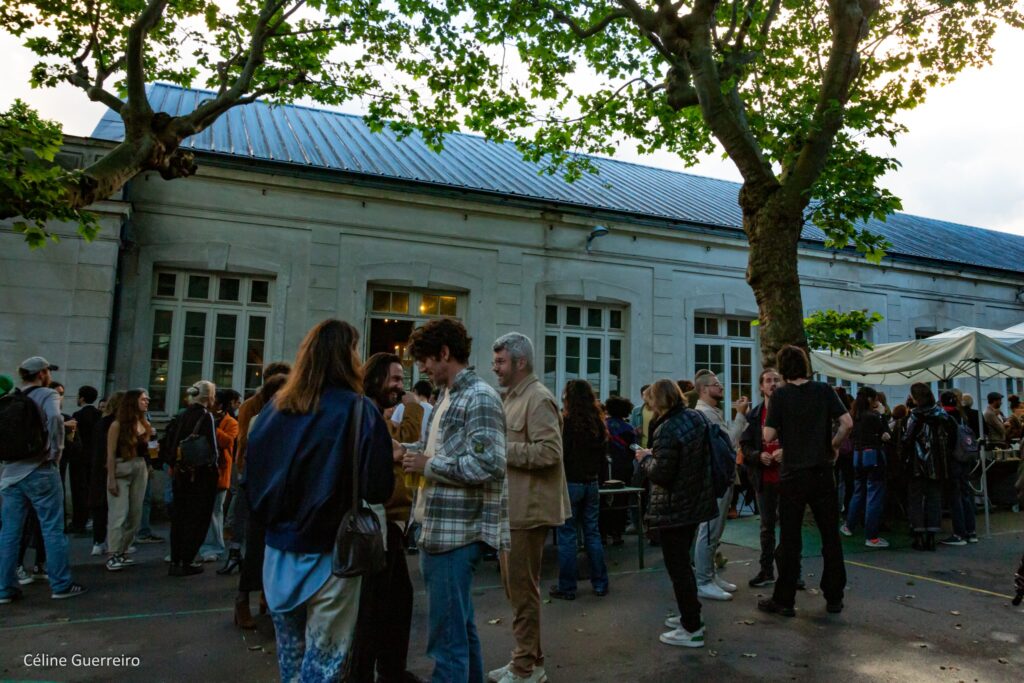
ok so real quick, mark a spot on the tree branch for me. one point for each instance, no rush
(207, 112)
(592, 30)
(850, 21)
(134, 55)
(723, 114)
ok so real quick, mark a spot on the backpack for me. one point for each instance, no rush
(965, 449)
(723, 458)
(22, 427)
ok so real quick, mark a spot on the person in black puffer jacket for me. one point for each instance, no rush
(929, 439)
(679, 469)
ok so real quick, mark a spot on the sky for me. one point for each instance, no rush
(962, 159)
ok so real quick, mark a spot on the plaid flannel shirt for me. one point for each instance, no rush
(466, 492)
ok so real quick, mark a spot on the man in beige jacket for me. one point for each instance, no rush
(538, 498)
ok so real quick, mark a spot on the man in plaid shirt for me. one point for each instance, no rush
(462, 501)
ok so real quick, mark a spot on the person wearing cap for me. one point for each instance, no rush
(34, 483)
(995, 427)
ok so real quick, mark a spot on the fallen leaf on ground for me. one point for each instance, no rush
(954, 612)
(579, 630)
(547, 601)
(712, 653)
(492, 622)
(746, 622)
(750, 655)
(255, 648)
(1003, 660)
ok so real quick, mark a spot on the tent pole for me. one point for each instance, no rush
(981, 433)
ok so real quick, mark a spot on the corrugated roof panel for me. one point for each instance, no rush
(313, 137)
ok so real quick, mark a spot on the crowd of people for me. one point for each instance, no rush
(457, 471)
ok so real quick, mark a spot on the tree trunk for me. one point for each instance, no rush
(773, 232)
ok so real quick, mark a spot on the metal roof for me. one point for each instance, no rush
(304, 137)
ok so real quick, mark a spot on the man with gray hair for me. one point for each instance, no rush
(711, 393)
(538, 497)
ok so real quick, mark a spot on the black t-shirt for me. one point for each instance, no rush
(802, 414)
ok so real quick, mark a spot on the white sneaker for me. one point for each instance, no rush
(723, 584)
(99, 549)
(211, 557)
(506, 675)
(24, 578)
(116, 563)
(680, 637)
(710, 591)
(876, 543)
(845, 530)
(674, 622)
(167, 558)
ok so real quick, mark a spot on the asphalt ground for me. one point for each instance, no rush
(910, 616)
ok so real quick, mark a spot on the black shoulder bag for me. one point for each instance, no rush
(195, 450)
(359, 544)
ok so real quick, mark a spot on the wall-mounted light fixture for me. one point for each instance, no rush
(598, 231)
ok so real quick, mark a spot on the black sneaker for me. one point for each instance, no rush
(11, 597)
(152, 538)
(760, 580)
(953, 540)
(72, 591)
(561, 595)
(834, 607)
(771, 607)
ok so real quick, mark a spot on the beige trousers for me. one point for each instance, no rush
(124, 511)
(520, 573)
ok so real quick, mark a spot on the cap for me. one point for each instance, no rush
(6, 384)
(994, 396)
(36, 364)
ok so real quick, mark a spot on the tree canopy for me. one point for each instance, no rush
(802, 96)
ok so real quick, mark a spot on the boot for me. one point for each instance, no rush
(243, 617)
(918, 543)
(929, 542)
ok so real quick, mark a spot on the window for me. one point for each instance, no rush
(395, 313)
(583, 342)
(726, 347)
(194, 337)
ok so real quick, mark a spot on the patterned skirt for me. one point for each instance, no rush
(314, 640)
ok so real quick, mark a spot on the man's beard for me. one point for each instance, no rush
(390, 399)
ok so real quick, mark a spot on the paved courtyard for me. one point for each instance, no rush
(943, 616)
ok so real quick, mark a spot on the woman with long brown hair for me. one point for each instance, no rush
(127, 448)
(299, 484)
(98, 476)
(584, 453)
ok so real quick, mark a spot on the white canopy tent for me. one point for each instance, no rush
(964, 351)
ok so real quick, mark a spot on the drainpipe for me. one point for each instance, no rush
(123, 244)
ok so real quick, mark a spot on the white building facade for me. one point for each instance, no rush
(212, 277)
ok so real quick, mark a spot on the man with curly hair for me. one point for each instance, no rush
(462, 501)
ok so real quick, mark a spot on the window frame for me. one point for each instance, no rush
(606, 335)
(413, 314)
(727, 343)
(179, 305)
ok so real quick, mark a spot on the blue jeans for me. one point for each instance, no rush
(42, 491)
(586, 507)
(453, 642)
(961, 499)
(868, 500)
